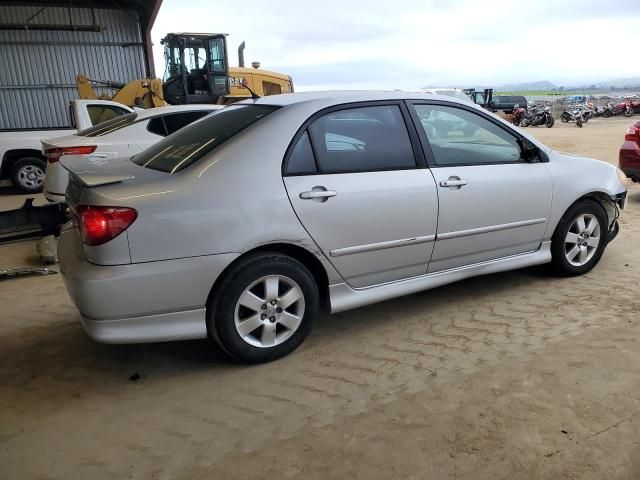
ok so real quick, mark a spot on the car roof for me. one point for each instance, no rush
(152, 112)
(338, 97)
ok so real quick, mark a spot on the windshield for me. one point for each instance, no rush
(181, 149)
(109, 126)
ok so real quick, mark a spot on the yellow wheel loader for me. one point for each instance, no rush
(197, 71)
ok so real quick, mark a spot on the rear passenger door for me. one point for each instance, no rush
(359, 185)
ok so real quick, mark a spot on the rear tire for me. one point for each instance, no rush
(28, 174)
(250, 317)
(573, 253)
(606, 113)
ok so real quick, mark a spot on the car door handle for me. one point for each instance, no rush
(318, 194)
(97, 155)
(453, 182)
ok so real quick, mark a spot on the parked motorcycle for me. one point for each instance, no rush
(572, 115)
(623, 108)
(518, 114)
(538, 116)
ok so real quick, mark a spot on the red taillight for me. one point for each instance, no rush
(98, 225)
(633, 134)
(54, 154)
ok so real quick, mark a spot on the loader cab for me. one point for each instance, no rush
(197, 68)
(483, 98)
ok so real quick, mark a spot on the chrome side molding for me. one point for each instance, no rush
(492, 228)
(370, 247)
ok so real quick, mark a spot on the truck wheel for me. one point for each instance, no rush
(28, 174)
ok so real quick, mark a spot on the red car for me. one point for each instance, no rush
(629, 161)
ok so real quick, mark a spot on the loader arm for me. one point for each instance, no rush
(147, 93)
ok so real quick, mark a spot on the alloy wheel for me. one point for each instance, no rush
(582, 239)
(269, 311)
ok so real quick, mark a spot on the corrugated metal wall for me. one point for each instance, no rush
(38, 67)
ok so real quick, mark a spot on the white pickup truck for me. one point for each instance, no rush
(21, 159)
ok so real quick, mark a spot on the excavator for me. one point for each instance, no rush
(197, 71)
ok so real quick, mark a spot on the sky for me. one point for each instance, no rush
(409, 44)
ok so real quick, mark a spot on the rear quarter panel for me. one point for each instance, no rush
(231, 201)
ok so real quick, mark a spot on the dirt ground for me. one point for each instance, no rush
(519, 375)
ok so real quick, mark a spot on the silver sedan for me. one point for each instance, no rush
(244, 226)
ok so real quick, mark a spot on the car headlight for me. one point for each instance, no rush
(624, 180)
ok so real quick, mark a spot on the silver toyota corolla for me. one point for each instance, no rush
(246, 224)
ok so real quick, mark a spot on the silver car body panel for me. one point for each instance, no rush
(361, 229)
(193, 224)
(136, 290)
(344, 297)
(501, 211)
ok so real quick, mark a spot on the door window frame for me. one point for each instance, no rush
(426, 146)
(418, 150)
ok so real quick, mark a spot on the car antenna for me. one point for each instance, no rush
(254, 95)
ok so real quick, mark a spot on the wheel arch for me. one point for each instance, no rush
(602, 198)
(12, 156)
(297, 252)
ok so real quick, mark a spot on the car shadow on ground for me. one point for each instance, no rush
(58, 348)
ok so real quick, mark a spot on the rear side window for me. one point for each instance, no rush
(362, 139)
(301, 159)
(109, 126)
(176, 121)
(156, 126)
(175, 153)
(102, 113)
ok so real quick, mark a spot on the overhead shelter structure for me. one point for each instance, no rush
(44, 44)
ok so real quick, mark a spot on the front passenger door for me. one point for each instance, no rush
(493, 203)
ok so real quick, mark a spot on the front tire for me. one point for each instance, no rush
(580, 238)
(550, 121)
(264, 308)
(28, 174)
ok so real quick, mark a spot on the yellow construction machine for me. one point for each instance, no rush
(197, 71)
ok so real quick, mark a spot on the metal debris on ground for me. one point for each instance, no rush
(23, 272)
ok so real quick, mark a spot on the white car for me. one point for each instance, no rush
(20, 159)
(123, 136)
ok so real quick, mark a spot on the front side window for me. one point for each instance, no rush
(362, 139)
(461, 137)
(109, 126)
(175, 153)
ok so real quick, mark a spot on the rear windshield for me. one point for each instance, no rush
(179, 150)
(109, 126)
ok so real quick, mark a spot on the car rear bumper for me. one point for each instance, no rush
(163, 327)
(143, 302)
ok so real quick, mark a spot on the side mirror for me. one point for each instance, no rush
(529, 152)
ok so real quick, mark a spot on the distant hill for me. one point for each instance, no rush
(526, 86)
(632, 82)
